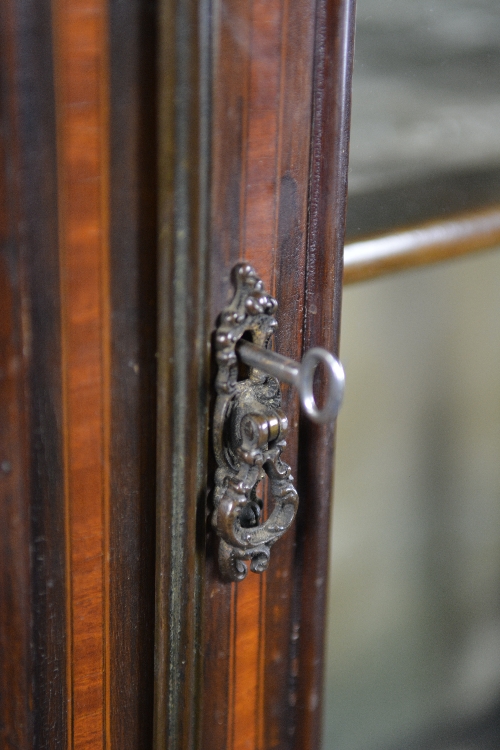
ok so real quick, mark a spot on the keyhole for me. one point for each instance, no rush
(250, 515)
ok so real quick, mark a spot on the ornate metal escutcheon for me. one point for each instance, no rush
(249, 426)
(249, 435)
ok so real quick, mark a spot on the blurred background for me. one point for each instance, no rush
(414, 620)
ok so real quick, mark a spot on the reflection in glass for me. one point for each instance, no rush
(425, 138)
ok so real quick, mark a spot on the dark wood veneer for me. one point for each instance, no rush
(32, 591)
(323, 278)
(133, 282)
(183, 116)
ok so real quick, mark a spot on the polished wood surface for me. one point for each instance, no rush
(77, 437)
(33, 643)
(432, 242)
(263, 70)
(105, 79)
(254, 106)
(183, 369)
(133, 284)
(247, 149)
(281, 94)
(323, 298)
(81, 83)
(15, 578)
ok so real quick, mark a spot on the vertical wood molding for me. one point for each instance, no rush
(16, 719)
(81, 83)
(184, 102)
(133, 291)
(334, 48)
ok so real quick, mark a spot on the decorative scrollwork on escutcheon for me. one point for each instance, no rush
(249, 435)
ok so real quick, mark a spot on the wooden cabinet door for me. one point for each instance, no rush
(145, 149)
(254, 113)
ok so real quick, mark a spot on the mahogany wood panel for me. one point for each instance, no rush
(293, 164)
(81, 83)
(278, 200)
(77, 372)
(105, 83)
(249, 100)
(262, 117)
(420, 245)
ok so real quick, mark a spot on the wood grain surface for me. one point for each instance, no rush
(33, 643)
(105, 85)
(77, 373)
(280, 69)
(334, 48)
(82, 96)
(133, 283)
(260, 151)
(249, 143)
(183, 369)
(15, 580)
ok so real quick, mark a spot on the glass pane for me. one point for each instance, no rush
(414, 621)
(425, 138)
